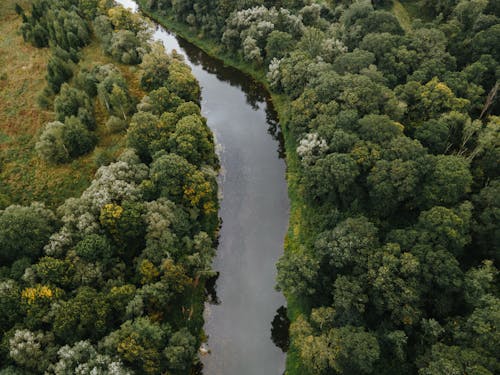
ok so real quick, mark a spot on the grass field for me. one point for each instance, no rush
(23, 176)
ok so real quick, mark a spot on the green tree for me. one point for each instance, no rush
(278, 44)
(50, 146)
(169, 174)
(10, 293)
(86, 316)
(181, 82)
(148, 135)
(331, 177)
(58, 72)
(156, 68)
(56, 272)
(76, 138)
(193, 140)
(138, 344)
(485, 230)
(449, 181)
(181, 351)
(24, 231)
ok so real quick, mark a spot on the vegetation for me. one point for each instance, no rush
(25, 109)
(111, 282)
(392, 141)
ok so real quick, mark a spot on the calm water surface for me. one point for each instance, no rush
(254, 210)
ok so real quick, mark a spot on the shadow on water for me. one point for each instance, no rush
(280, 327)
(255, 92)
(211, 289)
(275, 129)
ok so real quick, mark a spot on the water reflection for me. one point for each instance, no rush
(254, 209)
(280, 327)
(275, 129)
(254, 90)
(211, 289)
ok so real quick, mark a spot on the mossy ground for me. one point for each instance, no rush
(24, 177)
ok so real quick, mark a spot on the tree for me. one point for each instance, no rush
(125, 47)
(331, 177)
(379, 128)
(123, 19)
(26, 348)
(160, 101)
(139, 344)
(156, 67)
(86, 316)
(24, 231)
(113, 93)
(394, 285)
(446, 228)
(353, 62)
(9, 304)
(278, 44)
(83, 358)
(483, 42)
(58, 72)
(71, 102)
(347, 246)
(76, 138)
(349, 300)
(394, 183)
(169, 174)
(50, 146)
(358, 352)
(181, 82)
(428, 101)
(485, 230)
(311, 42)
(345, 350)
(181, 351)
(454, 359)
(147, 135)
(449, 181)
(193, 140)
(434, 135)
(94, 247)
(53, 271)
(298, 273)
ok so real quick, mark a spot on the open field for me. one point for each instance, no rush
(23, 176)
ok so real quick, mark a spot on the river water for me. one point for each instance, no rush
(254, 210)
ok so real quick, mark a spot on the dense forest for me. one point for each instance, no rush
(112, 281)
(393, 143)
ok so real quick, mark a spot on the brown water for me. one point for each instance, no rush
(254, 210)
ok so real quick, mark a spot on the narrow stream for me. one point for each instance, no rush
(254, 210)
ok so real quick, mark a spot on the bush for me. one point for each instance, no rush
(115, 124)
(58, 72)
(50, 147)
(77, 139)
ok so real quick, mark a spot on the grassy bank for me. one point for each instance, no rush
(297, 230)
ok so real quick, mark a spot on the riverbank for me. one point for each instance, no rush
(297, 231)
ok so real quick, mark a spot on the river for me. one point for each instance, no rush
(254, 210)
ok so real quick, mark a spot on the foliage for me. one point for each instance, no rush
(24, 231)
(101, 287)
(393, 195)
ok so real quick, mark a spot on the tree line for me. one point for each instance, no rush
(396, 131)
(112, 281)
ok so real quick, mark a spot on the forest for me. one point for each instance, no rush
(390, 115)
(109, 197)
(111, 281)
